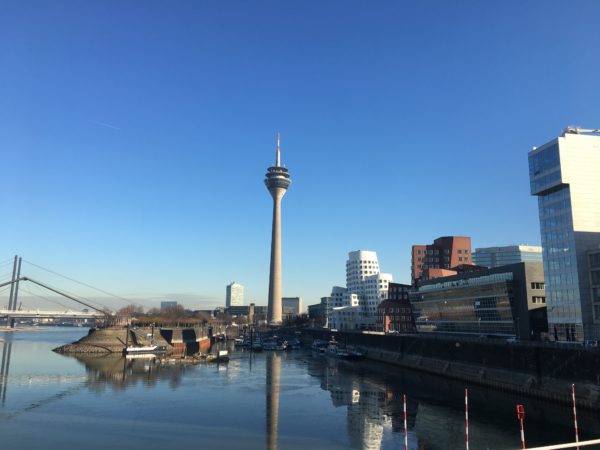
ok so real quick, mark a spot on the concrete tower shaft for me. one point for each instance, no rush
(277, 181)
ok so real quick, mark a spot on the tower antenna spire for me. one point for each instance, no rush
(278, 157)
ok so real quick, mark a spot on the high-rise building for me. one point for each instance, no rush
(168, 305)
(565, 176)
(277, 181)
(234, 295)
(445, 252)
(291, 307)
(502, 256)
(366, 287)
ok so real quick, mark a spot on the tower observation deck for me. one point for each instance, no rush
(277, 181)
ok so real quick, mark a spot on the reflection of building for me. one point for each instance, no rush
(365, 400)
(507, 301)
(291, 307)
(355, 307)
(501, 256)
(395, 313)
(234, 295)
(564, 175)
(445, 252)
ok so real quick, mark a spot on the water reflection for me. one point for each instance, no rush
(4, 368)
(372, 394)
(359, 403)
(120, 373)
(273, 381)
(366, 401)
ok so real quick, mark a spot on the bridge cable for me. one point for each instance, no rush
(84, 284)
(46, 298)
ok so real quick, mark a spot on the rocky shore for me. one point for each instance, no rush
(110, 340)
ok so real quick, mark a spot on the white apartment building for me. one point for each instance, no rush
(234, 295)
(355, 306)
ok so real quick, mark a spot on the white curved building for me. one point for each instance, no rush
(355, 307)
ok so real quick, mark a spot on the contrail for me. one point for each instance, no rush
(108, 125)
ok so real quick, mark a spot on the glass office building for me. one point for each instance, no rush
(502, 256)
(565, 176)
(506, 302)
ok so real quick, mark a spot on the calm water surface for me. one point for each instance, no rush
(293, 400)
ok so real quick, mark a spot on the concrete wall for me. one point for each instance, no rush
(542, 371)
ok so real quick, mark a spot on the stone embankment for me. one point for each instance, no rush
(538, 370)
(111, 340)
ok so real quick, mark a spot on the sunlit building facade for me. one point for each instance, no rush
(565, 176)
(504, 302)
(355, 306)
(511, 254)
(234, 295)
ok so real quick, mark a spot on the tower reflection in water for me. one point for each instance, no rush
(273, 374)
(4, 368)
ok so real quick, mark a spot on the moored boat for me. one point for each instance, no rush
(131, 350)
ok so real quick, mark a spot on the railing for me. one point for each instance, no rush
(568, 445)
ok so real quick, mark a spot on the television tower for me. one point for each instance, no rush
(277, 181)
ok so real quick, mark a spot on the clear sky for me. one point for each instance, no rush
(135, 135)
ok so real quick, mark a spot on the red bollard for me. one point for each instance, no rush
(467, 417)
(521, 417)
(405, 426)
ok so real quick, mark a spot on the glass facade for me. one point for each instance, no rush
(501, 256)
(481, 306)
(564, 176)
(560, 265)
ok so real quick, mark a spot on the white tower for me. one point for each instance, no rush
(277, 181)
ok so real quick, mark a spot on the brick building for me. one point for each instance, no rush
(445, 253)
(395, 314)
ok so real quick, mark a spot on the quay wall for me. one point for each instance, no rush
(535, 369)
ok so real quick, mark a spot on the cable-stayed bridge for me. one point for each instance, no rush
(14, 310)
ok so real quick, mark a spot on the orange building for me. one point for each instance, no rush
(445, 253)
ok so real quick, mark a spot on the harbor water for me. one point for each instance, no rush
(275, 400)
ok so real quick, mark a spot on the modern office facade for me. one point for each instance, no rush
(291, 307)
(318, 313)
(511, 254)
(234, 295)
(565, 176)
(504, 302)
(254, 313)
(168, 305)
(594, 266)
(445, 253)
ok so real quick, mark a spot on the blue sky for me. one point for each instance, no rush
(135, 135)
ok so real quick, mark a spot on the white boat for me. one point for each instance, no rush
(144, 349)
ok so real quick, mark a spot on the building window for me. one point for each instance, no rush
(536, 299)
(537, 285)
